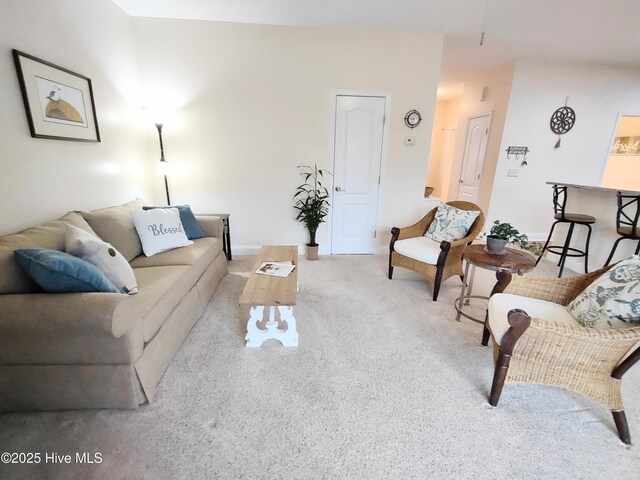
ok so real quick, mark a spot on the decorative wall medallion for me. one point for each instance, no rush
(412, 119)
(562, 120)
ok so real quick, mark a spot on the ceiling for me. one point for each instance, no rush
(582, 31)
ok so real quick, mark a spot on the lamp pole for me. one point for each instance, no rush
(163, 161)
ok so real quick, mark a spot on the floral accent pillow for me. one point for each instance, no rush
(612, 300)
(451, 223)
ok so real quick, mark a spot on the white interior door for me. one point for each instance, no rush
(475, 149)
(359, 130)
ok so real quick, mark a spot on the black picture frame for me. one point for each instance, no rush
(59, 102)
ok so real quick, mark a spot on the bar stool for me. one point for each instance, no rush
(573, 219)
(627, 221)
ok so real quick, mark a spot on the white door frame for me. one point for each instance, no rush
(466, 136)
(383, 160)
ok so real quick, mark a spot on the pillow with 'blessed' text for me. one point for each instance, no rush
(188, 219)
(159, 229)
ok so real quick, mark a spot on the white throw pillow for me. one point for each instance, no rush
(103, 256)
(451, 223)
(159, 229)
(613, 299)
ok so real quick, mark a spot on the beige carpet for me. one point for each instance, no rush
(385, 384)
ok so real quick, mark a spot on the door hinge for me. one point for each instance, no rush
(378, 180)
(375, 234)
(384, 119)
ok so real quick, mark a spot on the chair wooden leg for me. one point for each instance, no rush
(499, 376)
(390, 270)
(436, 285)
(638, 248)
(620, 420)
(486, 333)
(519, 321)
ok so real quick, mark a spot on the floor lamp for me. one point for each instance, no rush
(163, 163)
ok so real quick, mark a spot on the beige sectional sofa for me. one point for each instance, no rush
(100, 350)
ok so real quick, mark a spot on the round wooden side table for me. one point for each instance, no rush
(513, 260)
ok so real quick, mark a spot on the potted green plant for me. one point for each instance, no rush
(501, 234)
(312, 203)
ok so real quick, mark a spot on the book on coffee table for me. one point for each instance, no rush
(276, 269)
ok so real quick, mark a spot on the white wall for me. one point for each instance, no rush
(252, 101)
(498, 87)
(434, 173)
(43, 179)
(597, 94)
(446, 120)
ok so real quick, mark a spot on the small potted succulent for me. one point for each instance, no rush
(501, 234)
(312, 203)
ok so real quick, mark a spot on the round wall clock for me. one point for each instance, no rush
(412, 119)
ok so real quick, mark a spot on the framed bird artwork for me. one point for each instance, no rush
(58, 102)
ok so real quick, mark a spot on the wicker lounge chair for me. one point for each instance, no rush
(447, 256)
(557, 351)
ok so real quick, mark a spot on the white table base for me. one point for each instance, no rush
(256, 336)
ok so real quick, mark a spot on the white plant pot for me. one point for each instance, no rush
(496, 246)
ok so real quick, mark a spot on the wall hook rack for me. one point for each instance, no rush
(517, 151)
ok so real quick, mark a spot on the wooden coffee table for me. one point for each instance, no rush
(277, 293)
(513, 260)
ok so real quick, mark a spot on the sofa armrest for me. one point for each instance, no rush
(211, 225)
(41, 312)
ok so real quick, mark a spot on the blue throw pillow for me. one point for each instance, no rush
(188, 219)
(59, 272)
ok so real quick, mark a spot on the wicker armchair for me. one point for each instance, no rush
(549, 351)
(447, 262)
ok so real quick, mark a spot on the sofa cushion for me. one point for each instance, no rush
(423, 249)
(160, 290)
(49, 235)
(451, 223)
(60, 272)
(114, 225)
(188, 219)
(102, 255)
(613, 299)
(203, 250)
(501, 303)
(159, 229)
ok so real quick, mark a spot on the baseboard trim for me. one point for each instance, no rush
(255, 249)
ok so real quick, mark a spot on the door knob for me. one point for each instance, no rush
(339, 189)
